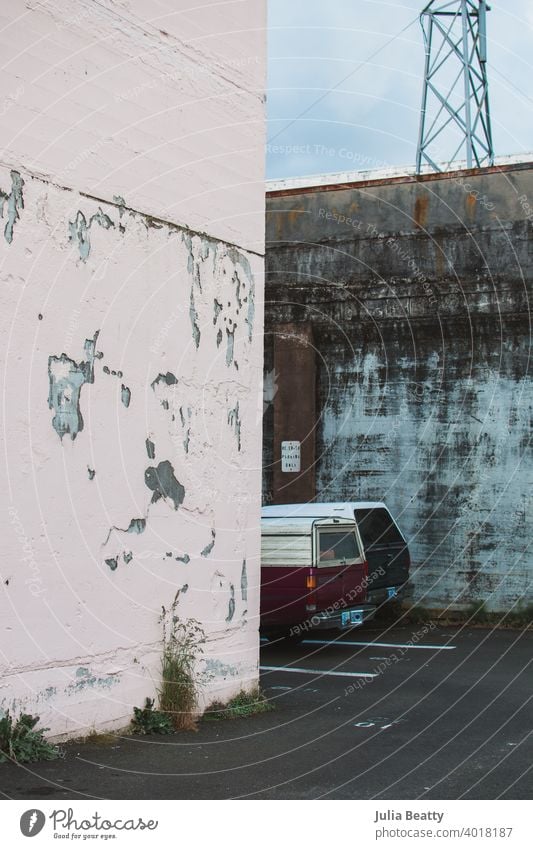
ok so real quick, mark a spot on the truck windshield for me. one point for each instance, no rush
(377, 527)
(338, 545)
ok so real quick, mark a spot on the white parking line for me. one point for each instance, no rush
(371, 645)
(317, 672)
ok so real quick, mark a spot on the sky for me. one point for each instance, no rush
(318, 124)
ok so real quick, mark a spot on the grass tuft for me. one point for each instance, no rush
(242, 705)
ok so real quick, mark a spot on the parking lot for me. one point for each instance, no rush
(416, 712)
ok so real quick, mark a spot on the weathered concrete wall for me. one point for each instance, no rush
(419, 296)
(131, 352)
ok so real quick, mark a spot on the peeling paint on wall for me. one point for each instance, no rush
(162, 386)
(230, 342)
(218, 669)
(85, 680)
(136, 526)
(164, 484)
(187, 438)
(193, 315)
(244, 582)
(15, 202)
(231, 604)
(168, 379)
(235, 422)
(79, 230)
(66, 379)
(87, 263)
(112, 372)
(125, 395)
(209, 548)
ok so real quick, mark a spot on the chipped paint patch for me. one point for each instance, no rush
(193, 315)
(150, 449)
(15, 202)
(209, 548)
(91, 473)
(79, 230)
(66, 380)
(244, 582)
(87, 680)
(164, 484)
(218, 669)
(231, 604)
(187, 438)
(125, 394)
(112, 562)
(136, 526)
(185, 559)
(234, 421)
(168, 379)
(230, 342)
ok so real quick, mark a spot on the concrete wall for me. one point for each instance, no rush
(131, 261)
(418, 294)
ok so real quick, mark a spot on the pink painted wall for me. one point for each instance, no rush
(131, 349)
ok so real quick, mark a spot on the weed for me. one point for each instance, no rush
(100, 738)
(182, 643)
(146, 720)
(477, 613)
(20, 743)
(242, 705)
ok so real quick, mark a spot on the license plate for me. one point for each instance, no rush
(351, 617)
(391, 592)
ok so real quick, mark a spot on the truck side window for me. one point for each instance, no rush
(377, 527)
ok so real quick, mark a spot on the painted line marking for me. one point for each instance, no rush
(317, 672)
(371, 645)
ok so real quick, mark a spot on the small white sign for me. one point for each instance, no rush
(290, 456)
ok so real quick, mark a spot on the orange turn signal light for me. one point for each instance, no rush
(311, 582)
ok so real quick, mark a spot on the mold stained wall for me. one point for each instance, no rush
(131, 265)
(419, 297)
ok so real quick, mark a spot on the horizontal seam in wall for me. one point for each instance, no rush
(146, 215)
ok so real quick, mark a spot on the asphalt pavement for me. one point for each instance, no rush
(381, 713)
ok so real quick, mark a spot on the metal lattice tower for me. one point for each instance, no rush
(455, 101)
